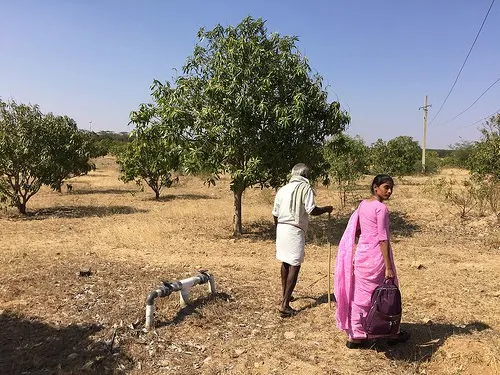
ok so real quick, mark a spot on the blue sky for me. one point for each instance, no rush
(94, 60)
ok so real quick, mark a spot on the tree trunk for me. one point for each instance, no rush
(237, 214)
(21, 206)
(155, 186)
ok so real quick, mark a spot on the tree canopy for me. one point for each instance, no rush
(399, 156)
(24, 157)
(37, 149)
(70, 150)
(484, 160)
(348, 159)
(150, 158)
(247, 104)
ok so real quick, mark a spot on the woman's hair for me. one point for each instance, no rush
(300, 170)
(379, 180)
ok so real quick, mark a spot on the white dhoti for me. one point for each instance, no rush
(290, 242)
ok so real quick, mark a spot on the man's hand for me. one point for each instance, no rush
(321, 210)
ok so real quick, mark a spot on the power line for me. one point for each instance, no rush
(484, 118)
(465, 61)
(475, 101)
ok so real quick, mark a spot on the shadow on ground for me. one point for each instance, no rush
(259, 230)
(28, 346)
(193, 308)
(81, 211)
(191, 197)
(426, 339)
(315, 301)
(102, 191)
(323, 230)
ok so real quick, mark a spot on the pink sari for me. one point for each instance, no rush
(357, 274)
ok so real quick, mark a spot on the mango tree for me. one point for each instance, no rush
(399, 157)
(70, 150)
(149, 157)
(347, 159)
(24, 155)
(247, 104)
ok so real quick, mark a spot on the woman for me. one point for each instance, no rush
(361, 268)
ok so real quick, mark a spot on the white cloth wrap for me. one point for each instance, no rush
(290, 242)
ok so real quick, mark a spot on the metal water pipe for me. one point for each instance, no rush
(182, 286)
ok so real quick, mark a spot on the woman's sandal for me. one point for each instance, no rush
(288, 312)
(363, 344)
(402, 336)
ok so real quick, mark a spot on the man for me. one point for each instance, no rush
(293, 204)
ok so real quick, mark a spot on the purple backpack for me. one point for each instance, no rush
(384, 316)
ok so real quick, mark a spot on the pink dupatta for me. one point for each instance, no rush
(343, 281)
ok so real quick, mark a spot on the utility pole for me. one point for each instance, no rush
(425, 131)
(90, 126)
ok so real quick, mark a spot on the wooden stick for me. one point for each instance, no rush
(329, 266)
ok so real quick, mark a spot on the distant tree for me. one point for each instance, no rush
(460, 154)
(440, 152)
(484, 160)
(398, 157)
(248, 105)
(150, 157)
(347, 158)
(378, 150)
(24, 156)
(432, 162)
(110, 143)
(484, 163)
(70, 150)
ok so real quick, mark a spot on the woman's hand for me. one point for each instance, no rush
(389, 273)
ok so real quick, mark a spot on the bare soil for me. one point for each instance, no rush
(75, 274)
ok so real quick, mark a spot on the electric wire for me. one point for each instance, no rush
(465, 61)
(478, 121)
(475, 101)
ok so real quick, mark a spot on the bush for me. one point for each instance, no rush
(397, 157)
(433, 163)
(460, 155)
(469, 194)
(463, 196)
(484, 163)
(347, 160)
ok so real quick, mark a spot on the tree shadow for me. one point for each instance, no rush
(401, 226)
(102, 191)
(322, 230)
(317, 232)
(81, 212)
(28, 346)
(259, 230)
(173, 197)
(425, 340)
(192, 308)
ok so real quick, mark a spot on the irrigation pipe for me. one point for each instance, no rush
(182, 286)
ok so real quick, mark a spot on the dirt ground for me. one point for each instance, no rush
(57, 319)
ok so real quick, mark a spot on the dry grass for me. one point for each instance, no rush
(55, 322)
